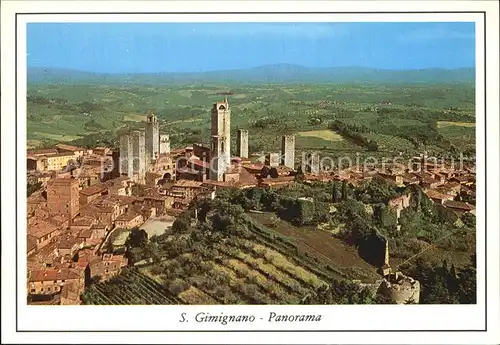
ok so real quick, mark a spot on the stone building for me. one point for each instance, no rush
(310, 163)
(164, 144)
(273, 159)
(152, 136)
(63, 196)
(242, 143)
(126, 156)
(220, 151)
(139, 155)
(288, 151)
(400, 289)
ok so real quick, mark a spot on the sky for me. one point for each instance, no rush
(197, 47)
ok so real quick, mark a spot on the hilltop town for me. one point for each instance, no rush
(86, 206)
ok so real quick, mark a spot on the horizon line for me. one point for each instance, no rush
(254, 67)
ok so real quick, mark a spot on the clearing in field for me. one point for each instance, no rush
(324, 134)
(157, 226)
(442, 124)
(134, 118)
(322, 245)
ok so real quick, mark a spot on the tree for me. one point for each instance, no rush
(335, 196)
(109, 247)
(181, 225)
(137, 238)
(33, 187)
(344, 190)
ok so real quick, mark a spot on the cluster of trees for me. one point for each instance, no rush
(33, 187)
(354, 133)
(444, 284)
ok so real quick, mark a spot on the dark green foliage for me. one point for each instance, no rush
(335, 193)
(353, 132)
(33, 187)
(469, 219)
(137, 238)
(442, 284)
(344, 190)
(181, 224)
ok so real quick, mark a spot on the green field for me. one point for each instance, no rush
(397, 117)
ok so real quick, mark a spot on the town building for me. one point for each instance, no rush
(220, 153)
(288, 151)
(153, 137)
(242, 143)
(63, 196)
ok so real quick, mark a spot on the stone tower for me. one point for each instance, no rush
(139, 154)
(220, 150)
(126, 156)
(288, 151)
(164, 143)
(152, 137)
(63, 196)
(310, 162)
(242, 143)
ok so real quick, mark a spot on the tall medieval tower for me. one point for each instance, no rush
(220, 150)
(152, 137)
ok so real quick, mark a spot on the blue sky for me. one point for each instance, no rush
(194, 47)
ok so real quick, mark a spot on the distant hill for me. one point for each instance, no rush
(270, 74)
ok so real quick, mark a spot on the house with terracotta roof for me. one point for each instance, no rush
(437, 196)
(129, 220)
(107, 266)
(42, 231)
(460, 207)
(50, 281)
(91, 193)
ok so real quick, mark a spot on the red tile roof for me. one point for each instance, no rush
(53, 274)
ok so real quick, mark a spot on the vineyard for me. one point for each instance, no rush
(261, 267)
(130, 287)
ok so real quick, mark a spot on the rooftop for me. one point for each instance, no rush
(459, 205)
(53, 274)
(92, 190)
(40, 228)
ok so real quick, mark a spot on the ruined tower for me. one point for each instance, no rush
(288, 151)
(139, 154)
(63, 196)
(220, 150)
(164, 143)
(152, 137)
(126, 156)
(242, 143)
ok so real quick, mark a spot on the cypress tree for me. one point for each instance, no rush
(335, 197)
(344, 190)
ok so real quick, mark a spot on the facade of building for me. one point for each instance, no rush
(288, 151)
(152, 137)
(63, 196)
(139, 155)
(126, 156)
(164, 144)
(242, 143)
(220, 152)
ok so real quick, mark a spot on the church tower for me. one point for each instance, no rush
(152, 137)
(220, 150)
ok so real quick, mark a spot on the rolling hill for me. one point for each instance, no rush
(269, 74)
